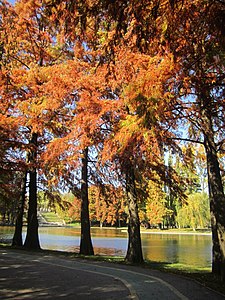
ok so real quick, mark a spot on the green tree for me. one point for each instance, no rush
(195, 213)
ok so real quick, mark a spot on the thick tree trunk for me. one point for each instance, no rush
(32, 238)
(17, 237)
(217, 208)
(216, 192)
(86, 247)
(134, 250)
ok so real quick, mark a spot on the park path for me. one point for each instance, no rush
(35, 276)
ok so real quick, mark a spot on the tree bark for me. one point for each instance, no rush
(217, 209)
(32, 237)
(216, 192)
(134, 250)
(17, 237)
(86, 247)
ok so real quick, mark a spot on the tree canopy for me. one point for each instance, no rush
(129, 81)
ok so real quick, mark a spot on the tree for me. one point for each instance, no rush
(86, 247)
(11, 145)
(17, 237)
(151, 56)
(134, 251)
(31, 51)
(10, 181)
(202, 76)
(195, 212)
(156, 210)
(193, 33)
(32, 238)
(107, 205)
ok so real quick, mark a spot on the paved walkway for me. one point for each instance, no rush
(26, 276)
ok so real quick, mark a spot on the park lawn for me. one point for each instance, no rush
(51, 217)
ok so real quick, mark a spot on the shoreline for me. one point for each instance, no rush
(170, 231)
(177, 233)
(125, 229)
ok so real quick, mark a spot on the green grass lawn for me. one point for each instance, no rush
(51, 217)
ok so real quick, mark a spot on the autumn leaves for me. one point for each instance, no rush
(119, 78)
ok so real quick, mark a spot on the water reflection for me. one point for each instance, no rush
(187, 249)
(174, 248)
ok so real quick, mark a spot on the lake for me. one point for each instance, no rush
(191, 249)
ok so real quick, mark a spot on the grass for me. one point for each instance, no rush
(177, 231)
(51, 217)
(200, 274)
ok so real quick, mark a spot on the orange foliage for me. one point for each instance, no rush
(107, 208)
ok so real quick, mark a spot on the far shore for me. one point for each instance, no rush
(187, 231)
(175, 231)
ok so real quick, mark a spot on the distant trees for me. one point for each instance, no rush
(10, 183)
(109, 208)
(157, 211)
(195, 212)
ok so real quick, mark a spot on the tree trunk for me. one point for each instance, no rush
(216, 193)
(86, 247)
(134, 251)
(17, 237)
(217, 208)
(32, 238)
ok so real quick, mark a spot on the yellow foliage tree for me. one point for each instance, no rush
(156, 208)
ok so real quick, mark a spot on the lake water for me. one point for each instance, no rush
(191, 249)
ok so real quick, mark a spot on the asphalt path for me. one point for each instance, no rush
(35, 276)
